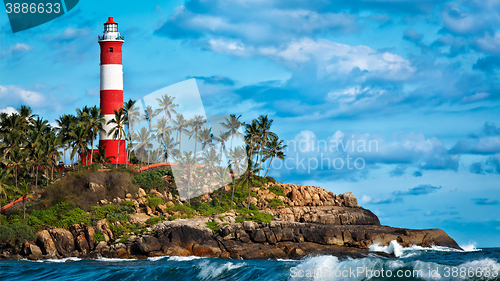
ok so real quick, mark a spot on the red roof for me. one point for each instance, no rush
(110, 20)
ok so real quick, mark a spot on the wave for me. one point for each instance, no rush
(209, 271)
(404, 252)
(330, 268)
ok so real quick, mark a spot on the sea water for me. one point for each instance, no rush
(413, 263)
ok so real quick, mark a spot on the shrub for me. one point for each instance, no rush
(253, 215)
(128, 204)
(184, 210)
(153, 202)
(152, 180)
(270, 179)
(118, 216)
(75, 216)
(278, 190)
(213, 226)
(98, 236)
(101, 212)
(14, 235)
(124, 238)
(153, 221)
(274, 203)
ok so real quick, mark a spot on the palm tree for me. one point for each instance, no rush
(24, 188)
(273, 149)
(169, 145)
(222, 139)
(196, 124)
(79, 140)
(233, 124)
(180, 125)
(143, 142)
(238, 156)
(206, 137)
(264, 126)
(17, 160)
(132, 116)
(187, 164)
(96, 123)
(252, 169)
(149, 114)
(167, 104)
(4, 176)
(117, 131)
(221, 177)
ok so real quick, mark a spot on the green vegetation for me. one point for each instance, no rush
(98, 236)
(153, 221)
(213, 226)
(152, 180)
(274, 203)
(14, 235)
(253, 215)
(154, 202)
(278, 190)
(124, 238)
(128, 204)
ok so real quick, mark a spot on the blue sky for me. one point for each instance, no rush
(419, 78)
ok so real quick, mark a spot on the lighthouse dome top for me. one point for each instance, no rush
(111, 31)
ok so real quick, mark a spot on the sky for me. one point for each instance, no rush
(405, 91)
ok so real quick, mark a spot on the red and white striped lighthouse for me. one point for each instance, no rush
(111, 88)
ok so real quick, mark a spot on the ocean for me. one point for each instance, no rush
(414, 263)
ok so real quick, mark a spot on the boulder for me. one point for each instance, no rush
(350, 200)
(46, 243)
(64, 241)
(149, 243)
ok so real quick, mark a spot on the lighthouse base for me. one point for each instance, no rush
(116, 149)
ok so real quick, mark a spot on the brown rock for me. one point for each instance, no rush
(46, 243)
(64, 241)
(258, 235)
(148, 244)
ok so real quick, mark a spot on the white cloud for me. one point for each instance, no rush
(489, 44)
(8, 110)
(18, 48)
(14, 93)
(365, 198)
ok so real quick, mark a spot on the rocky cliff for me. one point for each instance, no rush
(310, 221)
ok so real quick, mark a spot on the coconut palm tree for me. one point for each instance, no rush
(180, 125)
(233, 124)
(168, 144)
(188, 164)
(273, 149)
(222, 139)
(95, 125)
(79, 140)
(143, 143)
(4, 176)
(206, 137)
(252, 169)
(149, 115)
(24, 188)
(196, 124)
(117, 131)
(132, 116)
(237, 155)
(167, 105)
(221, 177)
(264, 126)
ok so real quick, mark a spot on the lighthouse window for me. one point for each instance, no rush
(110, 50)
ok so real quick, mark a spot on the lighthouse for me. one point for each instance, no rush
(111, 93)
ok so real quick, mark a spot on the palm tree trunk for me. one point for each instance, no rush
(232, 195)
(249, 179)
(92, 149)
(222, 190)
(15, 171)
(24, 207)
(118, 150)
(270, 161)
(36, 180)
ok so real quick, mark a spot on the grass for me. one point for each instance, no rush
(275, 203)
(278, 190)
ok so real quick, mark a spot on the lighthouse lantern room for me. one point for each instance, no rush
(111, 94)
